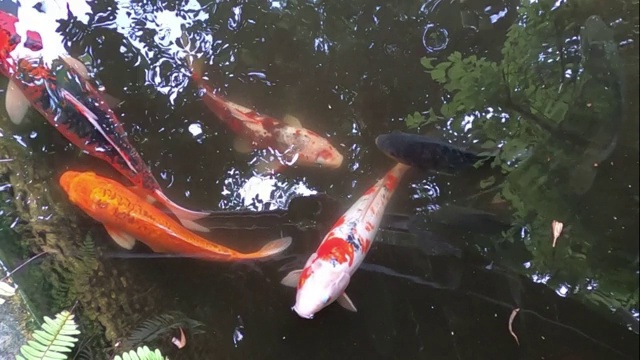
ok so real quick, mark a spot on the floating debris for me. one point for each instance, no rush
(556, 226)
(6, 290)
(511, 318)
(180, 343)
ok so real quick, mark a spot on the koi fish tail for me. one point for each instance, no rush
(399, 170)
(196, 66)
(271, 248)
(187, 217)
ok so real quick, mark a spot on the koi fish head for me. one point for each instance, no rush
(84, 190)
(67, 180)
(314, 150)
(320, 284)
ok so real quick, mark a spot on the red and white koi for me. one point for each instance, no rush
(300, 146)
(328, 271)
(59, 88)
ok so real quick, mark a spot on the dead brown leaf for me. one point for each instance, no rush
(513, 316)
(556, 226)
(180, 343)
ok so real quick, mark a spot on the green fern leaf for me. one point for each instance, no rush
(142, 353)
(55, 338)
(159, 326)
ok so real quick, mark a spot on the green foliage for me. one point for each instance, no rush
(158, 326)
(550, 115)
(55, 338)
(415, 120)
(74, 279)
(142, 353)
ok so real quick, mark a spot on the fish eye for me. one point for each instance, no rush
(326, 299)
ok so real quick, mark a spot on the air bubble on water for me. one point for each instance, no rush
(435, 38)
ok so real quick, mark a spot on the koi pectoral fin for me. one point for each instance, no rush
(142, 193)
(112, 101)
(291, 280)
(121, 238)
(346, 303)
(268, 167)
(17, 103)
(242, 145)
(275, 246)
(185, 216)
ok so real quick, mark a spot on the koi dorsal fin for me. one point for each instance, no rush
(292, 121)
(291, 280)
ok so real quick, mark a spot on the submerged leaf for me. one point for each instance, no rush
(426, 62)
(511, 318)
(556, 226)
(485, 183)
(415, 120)
(159, 326)
(180, 343)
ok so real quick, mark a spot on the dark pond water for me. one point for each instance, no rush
(352, 71)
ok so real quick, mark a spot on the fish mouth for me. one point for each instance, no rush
(302, 315)
(379, 140)
(67, 178)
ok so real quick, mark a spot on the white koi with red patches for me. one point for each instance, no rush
(328, 271)
(305, 147)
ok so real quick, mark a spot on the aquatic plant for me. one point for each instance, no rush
(158, 326)
(58, 336)
(552, 108)
(54, 338)
(78, 271)
(142, 353)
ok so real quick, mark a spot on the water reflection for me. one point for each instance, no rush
(163, 25)
(41, 17)
(260, 192)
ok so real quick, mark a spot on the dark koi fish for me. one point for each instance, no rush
(63, 94)
(426, 153)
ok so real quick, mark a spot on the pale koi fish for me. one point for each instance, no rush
(300, 146)
(328, 271)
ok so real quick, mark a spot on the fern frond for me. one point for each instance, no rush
(142, 353)
(160, 325)
(88, 249)
(54, 338)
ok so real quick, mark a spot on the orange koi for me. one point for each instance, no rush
(128, 217)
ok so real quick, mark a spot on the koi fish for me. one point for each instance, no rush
(328, 271)
(128, 217)
(256, 131)
(426, 153)
(63, 94)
